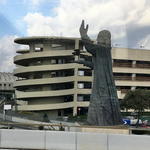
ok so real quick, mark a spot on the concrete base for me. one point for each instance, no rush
(109, 130)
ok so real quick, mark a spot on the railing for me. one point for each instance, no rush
(122, 64)
(130, 65)
(130, 78)
(123, 77)
(142, 66)
(142, 78)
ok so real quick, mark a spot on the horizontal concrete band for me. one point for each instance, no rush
(131, 70)
(50, 93)
(44, 93)
(44, 68)
(35, 55)
(132, 83)
(51, 67)
(43, 39)
(43, 81)
(59, 140)
(45, 106)
(72, 66)
(51, 106)
(126, 54)
(130, 54)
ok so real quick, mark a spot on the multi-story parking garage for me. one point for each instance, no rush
(50, 81)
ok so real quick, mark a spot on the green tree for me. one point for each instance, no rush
(138, 100)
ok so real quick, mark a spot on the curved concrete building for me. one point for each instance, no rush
(49, 77)
(50, 81)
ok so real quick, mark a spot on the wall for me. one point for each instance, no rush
(59, 140)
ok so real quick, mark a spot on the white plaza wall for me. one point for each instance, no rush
(60, 140)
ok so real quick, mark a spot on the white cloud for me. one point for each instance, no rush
(69, 15)
(37, 24)
(145, 18)
(7, 52)
(114, 15)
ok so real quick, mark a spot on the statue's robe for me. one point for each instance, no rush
(104, 107)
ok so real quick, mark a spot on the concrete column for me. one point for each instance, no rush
(47, 46)
(75, 110)
(134, 63)
(77, 44)
(46, 62)
(112, 61)
(75, 81)
(32, 47)
(75, 90)
(31, 76)
(46, 88)
(77, 47)
(133, 88)
(133, 76)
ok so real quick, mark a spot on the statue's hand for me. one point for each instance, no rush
(83, 31)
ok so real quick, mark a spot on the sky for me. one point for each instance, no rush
(128, 21)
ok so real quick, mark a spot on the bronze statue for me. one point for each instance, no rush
(104, 107)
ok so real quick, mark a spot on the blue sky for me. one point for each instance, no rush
(128, 21)
(12, 12)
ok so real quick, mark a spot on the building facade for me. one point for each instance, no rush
(50, 81)
(6, 87)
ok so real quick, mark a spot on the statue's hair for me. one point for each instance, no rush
(104, 33)
(104, 38)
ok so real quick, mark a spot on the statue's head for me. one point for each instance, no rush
(104, 38)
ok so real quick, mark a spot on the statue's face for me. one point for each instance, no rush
(104, 38)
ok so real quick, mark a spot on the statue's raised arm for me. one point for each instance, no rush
(90, 47)
(83, 31)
